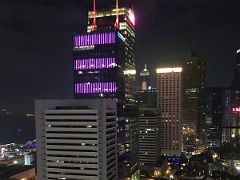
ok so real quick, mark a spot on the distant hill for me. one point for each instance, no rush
(16, 128)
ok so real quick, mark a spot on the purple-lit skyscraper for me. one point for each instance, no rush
(98, 62)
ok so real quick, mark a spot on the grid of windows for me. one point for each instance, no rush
(170, 106)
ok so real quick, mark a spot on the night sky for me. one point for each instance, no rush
(36, 42)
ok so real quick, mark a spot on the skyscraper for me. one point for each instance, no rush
(193, 93)
(76, 139)
(147, 95)
(144, 79)
(230, 139)
(122, 19)
(98, 65)
(236, 78)
(108, 53)
(149, 148)
(214, 113)
(169, 103)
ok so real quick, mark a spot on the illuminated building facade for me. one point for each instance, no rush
(105, 68)
(194, 84)
(169, 104)
(149, 147)
(144, 79)
(76, 139)
(98, 65)
(124, 20)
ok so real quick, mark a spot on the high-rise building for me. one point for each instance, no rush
(193, 93)
(76, 139)
(144, 79)
(149, 147)
(169, 103)
(230, 139)
(98, 65)
(213, 114)
(122, 19)
(236, 79)
(107, 56)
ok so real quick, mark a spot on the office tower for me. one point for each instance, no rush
(122, 20)
(193, 93)
(144, 79)
(236, 79)
(213, 114)
(76, 139)
(149, 147)
(147, 95)
(98, 65)
(169, 103)
(230, 139)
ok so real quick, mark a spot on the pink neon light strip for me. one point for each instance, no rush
(96, 63)
(94, 39)
(103, 87)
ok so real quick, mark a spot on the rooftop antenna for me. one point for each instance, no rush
(117, 16)
(145, 65)
(94, 14)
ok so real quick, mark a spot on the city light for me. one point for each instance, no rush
(95, 87)
(130, 72)
(88, 40)
(94, 63)
(169, 70)
(236, 110)
(131, 16)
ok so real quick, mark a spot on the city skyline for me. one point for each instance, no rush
(23, 58)
(120, 89)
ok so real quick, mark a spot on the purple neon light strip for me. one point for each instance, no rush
(94, 39)
(96, 63)
(88, 88)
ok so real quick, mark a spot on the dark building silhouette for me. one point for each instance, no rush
(193, 93)
(213, 114)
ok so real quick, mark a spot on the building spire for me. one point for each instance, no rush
(94, 14)
(145, 65)
(117, 16)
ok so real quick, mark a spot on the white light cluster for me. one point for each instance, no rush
(169, 70)
(130, 72)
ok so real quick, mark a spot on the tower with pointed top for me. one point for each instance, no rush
(144, 78)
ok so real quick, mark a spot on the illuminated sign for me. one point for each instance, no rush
(131, 17)
(169, 70)
(238, 51)
(236, 110)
